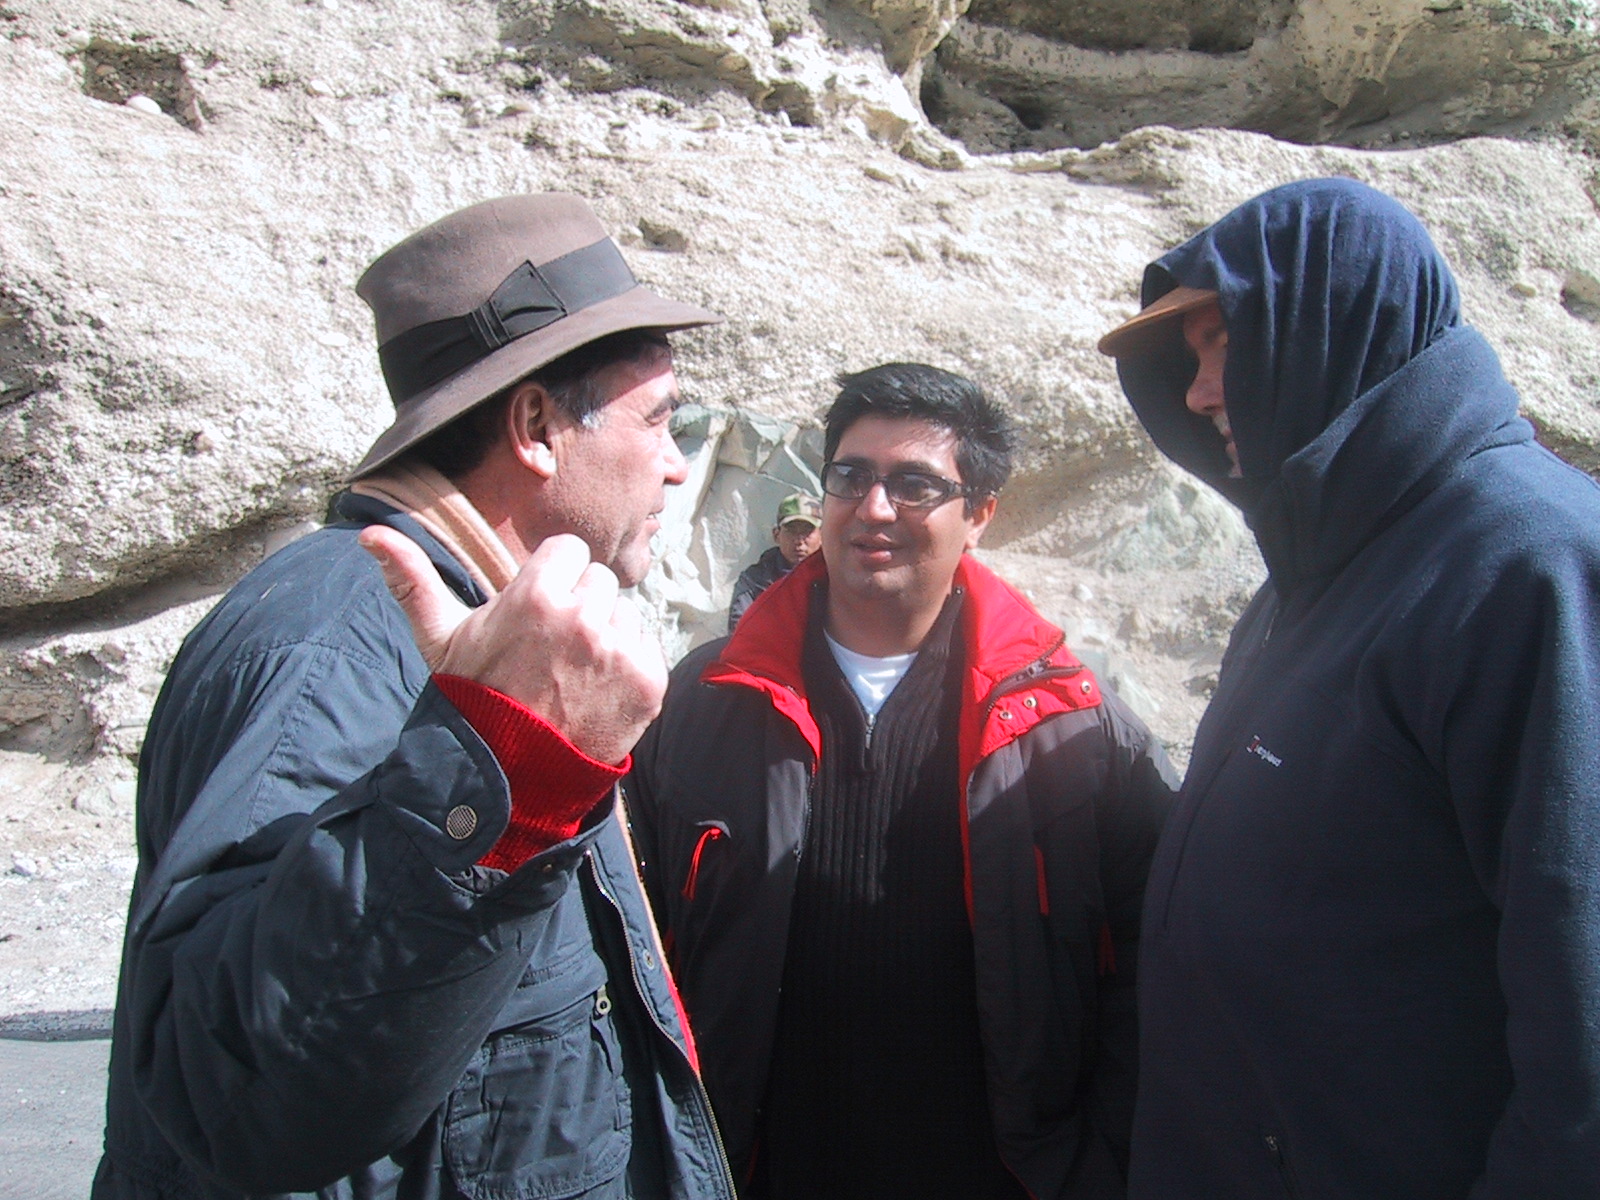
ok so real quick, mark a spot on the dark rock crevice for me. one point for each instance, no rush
(117, 72)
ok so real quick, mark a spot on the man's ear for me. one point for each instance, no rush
(982, 514)
(528, 428)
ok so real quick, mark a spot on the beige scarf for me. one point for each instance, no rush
(436, 504)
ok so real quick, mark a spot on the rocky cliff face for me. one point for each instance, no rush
(192, 187)
(1375, 73)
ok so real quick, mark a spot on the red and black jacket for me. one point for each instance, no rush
(1063, 794)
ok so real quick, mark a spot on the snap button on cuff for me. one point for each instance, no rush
(1086, 687)
(460, 822)
(1030, 702)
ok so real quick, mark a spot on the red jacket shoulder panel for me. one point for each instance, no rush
(1007, 638)
(764, 651)
(1003, 638)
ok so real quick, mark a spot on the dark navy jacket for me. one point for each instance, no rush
(320, 992)
(755, 579)
(1063, 794)
(1371, 952)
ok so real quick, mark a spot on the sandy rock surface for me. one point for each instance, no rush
(1376, 73)
(191, 187)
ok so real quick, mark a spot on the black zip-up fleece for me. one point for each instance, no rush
(1371, 957)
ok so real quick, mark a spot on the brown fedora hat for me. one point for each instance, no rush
(488, 295)
(1137, 331)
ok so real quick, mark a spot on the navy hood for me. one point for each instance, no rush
(1339, 312)
(1327, 288)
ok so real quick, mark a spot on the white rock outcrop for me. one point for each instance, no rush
(186, 374)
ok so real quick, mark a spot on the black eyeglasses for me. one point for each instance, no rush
(905, 489)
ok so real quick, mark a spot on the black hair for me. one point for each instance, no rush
(985, 437)
(573, 382)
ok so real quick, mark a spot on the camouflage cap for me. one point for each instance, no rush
(799, 507)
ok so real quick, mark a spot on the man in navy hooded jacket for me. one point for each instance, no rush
(1370, 962)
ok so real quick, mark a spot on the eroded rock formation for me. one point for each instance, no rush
(192, 186)
(1029, 73)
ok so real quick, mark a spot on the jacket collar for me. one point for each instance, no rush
(1012, 656)
(368, 510)
(1387, 450)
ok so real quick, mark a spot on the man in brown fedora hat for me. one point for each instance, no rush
(386, 936)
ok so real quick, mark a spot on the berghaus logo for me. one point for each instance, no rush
(1267, 756)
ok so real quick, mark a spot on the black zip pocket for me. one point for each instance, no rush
(711, 831)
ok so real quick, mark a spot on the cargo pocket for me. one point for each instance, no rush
(543, 1111)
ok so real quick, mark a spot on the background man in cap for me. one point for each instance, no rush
(897, 837)
(1371, 952)
(386, 936)
(794, 536)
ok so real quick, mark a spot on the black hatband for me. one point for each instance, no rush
(527, 300)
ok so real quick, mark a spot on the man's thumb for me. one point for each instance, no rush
(434, 612)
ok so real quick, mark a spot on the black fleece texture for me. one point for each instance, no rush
(1370, 964)
(880, 963)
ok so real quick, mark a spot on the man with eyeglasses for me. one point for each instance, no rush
(896, 837)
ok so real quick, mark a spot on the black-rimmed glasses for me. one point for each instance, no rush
(905, 489)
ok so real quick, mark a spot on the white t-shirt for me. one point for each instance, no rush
(872, 679)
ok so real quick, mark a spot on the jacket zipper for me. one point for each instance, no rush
(1231, 726)
(811, 796)
(1285, 1175)
(638, 984)
(1036, 671)
(709, 835)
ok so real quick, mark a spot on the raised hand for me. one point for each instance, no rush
(559, 639)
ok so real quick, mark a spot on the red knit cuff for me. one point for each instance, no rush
(554, 785)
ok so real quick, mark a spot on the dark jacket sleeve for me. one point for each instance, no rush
(1138, 793)
(755, 579)
(745, 589)
(312, 959)
(644, 784)
(1516, 727)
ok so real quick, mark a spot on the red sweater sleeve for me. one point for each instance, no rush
(554, 785)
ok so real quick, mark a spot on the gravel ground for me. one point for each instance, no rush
(66, 863)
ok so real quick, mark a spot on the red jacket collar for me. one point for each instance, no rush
(1006, 643)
